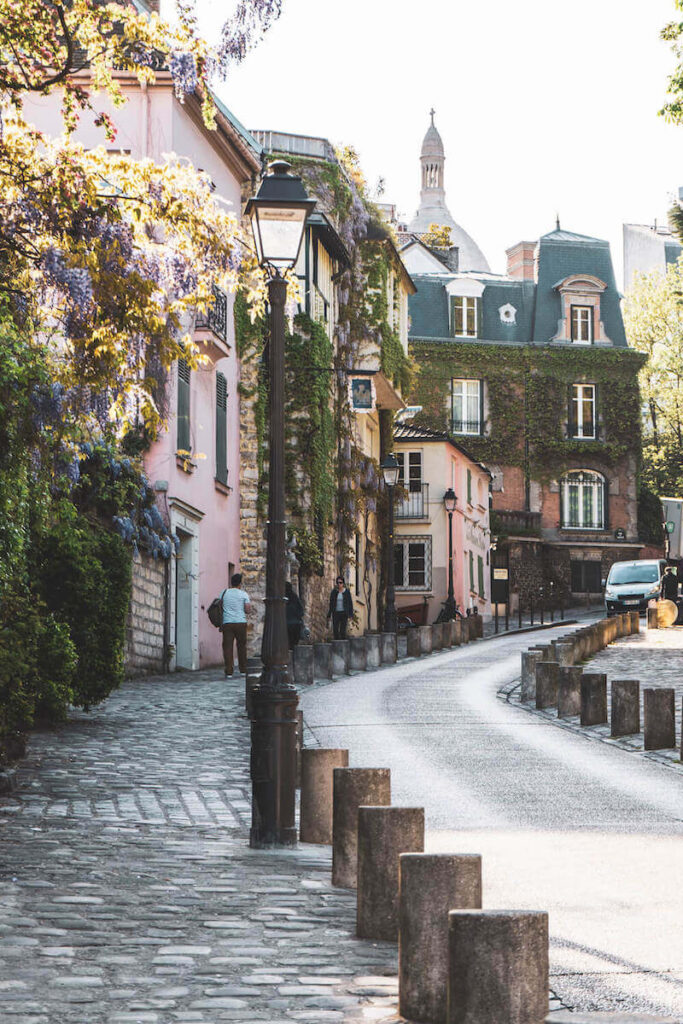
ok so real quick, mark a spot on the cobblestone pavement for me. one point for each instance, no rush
(655, 657)
(129, 894)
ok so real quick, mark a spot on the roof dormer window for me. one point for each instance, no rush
(465, 316)
(582, 325)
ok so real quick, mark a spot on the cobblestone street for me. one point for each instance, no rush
(129, 893)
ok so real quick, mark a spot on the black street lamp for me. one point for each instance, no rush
(450, 500)
(278, 218)
(389, 467)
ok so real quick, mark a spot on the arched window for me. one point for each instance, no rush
(583, 500)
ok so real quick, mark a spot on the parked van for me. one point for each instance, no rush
(632, 585)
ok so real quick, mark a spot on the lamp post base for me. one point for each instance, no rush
(449, 608)
(273, 766)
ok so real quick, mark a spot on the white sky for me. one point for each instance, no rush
(543, 106)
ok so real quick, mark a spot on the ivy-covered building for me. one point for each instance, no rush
(532, 371)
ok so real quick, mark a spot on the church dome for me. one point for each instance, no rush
(432, 145)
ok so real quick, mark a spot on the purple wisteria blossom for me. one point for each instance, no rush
(250, 22)
(74, 281)
(183, 68)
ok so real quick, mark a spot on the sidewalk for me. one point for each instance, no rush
(129, 893)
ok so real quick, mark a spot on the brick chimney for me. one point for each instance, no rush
(522, 261)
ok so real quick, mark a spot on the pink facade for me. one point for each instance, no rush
(203, 510)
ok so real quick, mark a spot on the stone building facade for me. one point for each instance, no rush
(147, 617)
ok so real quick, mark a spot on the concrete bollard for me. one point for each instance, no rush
(564, 651)
(548, 651)
(601, 1017)
(625, 714)
(388, 648)
(569, 691)
(659, 721)
(322, 661)
(384, 833)
(528, 678)
(351, 788)
(449, 633)
(478, 626)
(303, 664)
(358, 658)
(425, 639)
(635, 622)
(401, 646)
(299, 746)
(414, 642)
(547, 683)
(593, 698)
(457, 632)
(652, 618)
(497, 967)
(373, 646)
(340, 657)
(437, 636)
(317, 766)
(430, 884)
(251, 680)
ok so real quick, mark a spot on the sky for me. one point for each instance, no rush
(544, 107)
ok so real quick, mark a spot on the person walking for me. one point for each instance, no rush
(341, 608)
(669, 591)
(295, 615)
(235, 607)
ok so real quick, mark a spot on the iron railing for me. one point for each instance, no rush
(415, 504)
(466, 426)
(216, 318)
(524, 524)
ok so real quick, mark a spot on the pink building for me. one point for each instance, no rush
(198, 492)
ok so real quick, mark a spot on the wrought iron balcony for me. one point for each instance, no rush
(516, 524)
(216, 319)
(415, 504)
(471, 427)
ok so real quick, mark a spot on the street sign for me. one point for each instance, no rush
(669, 526)
(500, 574)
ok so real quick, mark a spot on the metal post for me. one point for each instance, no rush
(531, 608)
(507, 614)
(496, 616)
(449, 607)
(542, 604)
(562, 608)
(274, 699)
(390, 622)
(519, 609)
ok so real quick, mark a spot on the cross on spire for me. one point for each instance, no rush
(431, 114)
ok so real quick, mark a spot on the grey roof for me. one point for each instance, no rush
(404, 432)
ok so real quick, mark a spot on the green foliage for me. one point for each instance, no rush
(650, 529)
(395, 364)
(673, 33)
(438, 236)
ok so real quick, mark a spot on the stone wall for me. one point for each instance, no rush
(145, 626)
(252, 526)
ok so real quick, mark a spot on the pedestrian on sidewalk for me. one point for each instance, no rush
(235, 607)
(669, 591)
(341, 608)
(295, 615)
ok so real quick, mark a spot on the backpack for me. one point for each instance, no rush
(215, 611)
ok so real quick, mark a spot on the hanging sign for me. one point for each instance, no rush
(362, 394)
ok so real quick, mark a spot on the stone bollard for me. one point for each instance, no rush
(373, 646)
(601, 1017)
(388, 648)
(659, 720)
(322, 661)
(401, 645)
(303, 664)
(528, 678)
(625, 715)
(437, 636)
(548, 651)
(358, 658)
(425, 639)
(449, 633)
(384, 833)
(478, 626)
(317, 766)
(251, 680)
(569, 691)
(299, 746)
(340, 657)
(457, 632)
(414, 642)
(497, 967)
(635, 622)
(547, 683)
(351, 788)
(593, 698)
(430, 884)
(652, 618)
(564, 650)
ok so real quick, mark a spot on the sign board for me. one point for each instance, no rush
(500, 574)
(669, 526)
(619, 534)
(362, 394)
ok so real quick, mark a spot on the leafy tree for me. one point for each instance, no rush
(438, 236)
(673, 33)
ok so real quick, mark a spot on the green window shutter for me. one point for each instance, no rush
(471, 571)
(221, 429)
(596, 413)
(572, 418)
(480, 574)
(183, 443)
(479, 314)
(469, 486)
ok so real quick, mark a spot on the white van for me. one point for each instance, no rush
(631, 585)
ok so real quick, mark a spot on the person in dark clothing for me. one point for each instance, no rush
(295, 616)
(669, 591)
(341, 608)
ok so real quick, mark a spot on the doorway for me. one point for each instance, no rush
(184, 601)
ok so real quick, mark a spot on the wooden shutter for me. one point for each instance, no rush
(183, 442)
(221, 429)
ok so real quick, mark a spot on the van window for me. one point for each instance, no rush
(639, 572)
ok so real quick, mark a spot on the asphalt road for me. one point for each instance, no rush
(585, 831)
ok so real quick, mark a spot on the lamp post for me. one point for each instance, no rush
(450, 500)
(389, 467)
(278, 218)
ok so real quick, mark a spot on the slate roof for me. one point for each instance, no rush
(538, 304)
(405, 432)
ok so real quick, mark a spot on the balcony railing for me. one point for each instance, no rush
(573, 433)
(518, 524)
(466, 427)
(415, 505)
(216, 319)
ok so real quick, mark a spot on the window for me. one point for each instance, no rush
(585, 577)
(183, 442)
(582, 324)
(465, 316)
(582, 411)
(466, 406)
(412, 462)
(469, 486)
(480, 575)
(221, 429)
(583, 500)
(413, 563)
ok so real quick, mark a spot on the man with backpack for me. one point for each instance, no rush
(236, 605)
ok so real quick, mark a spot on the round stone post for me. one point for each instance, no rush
(457, 632)
(317, 766)
(652, 618)
(498, 967)
(659, 720)
(564, 650)
(437, 636)
(340, 657)
(322, 661)
(414, 642)
(358, 657)
(593, 698)
(425, 639)
(430, 885)
(302, 658)
(373, 650)
(528, 681)
(389, 648)
(384, 833)
(547, 684)
(352, 787)
(569, 691)
(635, 622)
(625, 715)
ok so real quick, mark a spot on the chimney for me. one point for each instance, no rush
(522, 261)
